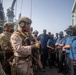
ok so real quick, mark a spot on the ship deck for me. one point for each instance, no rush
(49, 71)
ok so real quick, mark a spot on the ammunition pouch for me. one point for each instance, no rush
(21, 58)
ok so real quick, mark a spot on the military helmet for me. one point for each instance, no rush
(61, 33)
(24, 19)
(36, 32)
(7, 24)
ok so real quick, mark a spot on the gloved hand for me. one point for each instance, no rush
(37, 45)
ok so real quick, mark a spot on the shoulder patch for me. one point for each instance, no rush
(14, 37)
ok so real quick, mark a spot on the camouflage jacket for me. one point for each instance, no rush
(5, 41)
(6, 45)
(20, 44)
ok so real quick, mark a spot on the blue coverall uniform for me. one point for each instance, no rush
(43, 38)
(73, 56)
(68, 41)
(51, 61)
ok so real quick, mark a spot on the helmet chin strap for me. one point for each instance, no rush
(6, 29)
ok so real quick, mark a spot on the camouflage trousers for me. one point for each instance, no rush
(1, 70)
(22, 67)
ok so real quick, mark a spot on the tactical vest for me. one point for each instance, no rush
(25, 38)
(25, 42)
(5, 38)
(5, 42)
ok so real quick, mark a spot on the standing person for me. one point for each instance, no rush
(43, 38)
(60, 55)
(49, 33)
(72, 47)
(68, 39)
(51, 47)
(6, 48)
(22, 48)
(34, 51)
(1, 58)
(56, 37)
(55, 40)
(39, 63)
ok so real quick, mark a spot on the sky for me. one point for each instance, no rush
(52, 15)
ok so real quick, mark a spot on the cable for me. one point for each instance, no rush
(16, 10)
(20, 10)
(21, 6)
(31, 10)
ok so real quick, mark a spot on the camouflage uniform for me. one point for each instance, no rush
(1, 58)
(36, 54)
(22, 53)
(6, 49)
(20, 42)
(39, 64)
